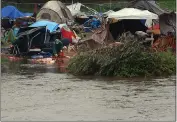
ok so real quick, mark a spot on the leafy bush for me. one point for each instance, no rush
(127, 60)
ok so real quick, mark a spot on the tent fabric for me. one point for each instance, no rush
(75, 8)
(108, 12)
(167, 22)
(67, 34)
(102, 35)
(132, 13)
(118, 28)
(24, 41)
(13, 13)
(55, 11)
(149, 5)
(51, 26)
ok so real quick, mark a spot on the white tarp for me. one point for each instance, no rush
(75, 8)
(108, 12)
(132, 13)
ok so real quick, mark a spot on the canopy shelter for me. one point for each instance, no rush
(13, 13)
(51, 26)
(55, 11)
(132, 13)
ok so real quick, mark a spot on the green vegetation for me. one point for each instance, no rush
(167, 4)
(4, 60)
(128, 60)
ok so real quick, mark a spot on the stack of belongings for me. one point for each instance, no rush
(42, 57)
(81, 16)
(164, 43)
(92, 23)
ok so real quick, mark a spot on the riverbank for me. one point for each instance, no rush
(131, 59)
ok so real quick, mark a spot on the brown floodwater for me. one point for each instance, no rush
(31, 92)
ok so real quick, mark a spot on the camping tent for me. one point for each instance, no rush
(132, 13)
(13, 13)
(55, 11)
(131, 21)
(149, 5)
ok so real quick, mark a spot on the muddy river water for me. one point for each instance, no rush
(42, 93)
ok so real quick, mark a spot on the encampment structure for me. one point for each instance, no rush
(12, 12)
(166, 18)
(55, 11)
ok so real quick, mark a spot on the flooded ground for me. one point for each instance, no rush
(39, 93)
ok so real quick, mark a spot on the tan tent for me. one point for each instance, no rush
(55, 11)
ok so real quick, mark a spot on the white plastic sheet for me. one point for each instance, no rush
(75, 8)
(132, 13)
(108, 12)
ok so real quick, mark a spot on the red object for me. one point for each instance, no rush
(62, 54)
(155, 27)
(35, 8)
(11, 46)
(174, 46)
(13, 58)
(67, 34)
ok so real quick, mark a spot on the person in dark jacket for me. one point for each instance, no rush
(57, 47)
(59, 44)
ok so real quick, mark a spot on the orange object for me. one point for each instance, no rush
(155, 27)
(156, 31)
(163, 43)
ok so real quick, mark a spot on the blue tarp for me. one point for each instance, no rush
(93, 23)
(13, 13)
(143, 21)
(51, 26)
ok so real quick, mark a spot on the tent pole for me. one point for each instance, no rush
(152, 33)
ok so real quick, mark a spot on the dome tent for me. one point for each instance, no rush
(55, 11)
